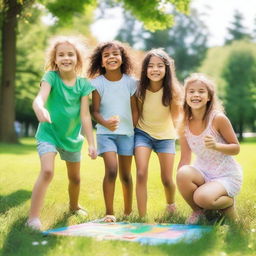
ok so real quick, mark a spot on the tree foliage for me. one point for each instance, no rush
(237, 30)
(240, 76)
(152, 14)
(186, 41)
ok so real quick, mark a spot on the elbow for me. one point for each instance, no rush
(34, 104)
(237, 150)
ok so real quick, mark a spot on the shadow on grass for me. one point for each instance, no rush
(237, 240)
(18, 149)
(22, 241)
(198, 247)
(13, 199)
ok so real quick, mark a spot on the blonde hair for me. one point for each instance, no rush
(213, 104)
(79, 47)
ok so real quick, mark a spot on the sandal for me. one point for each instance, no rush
(195, 217)
(171, 208)
(109, 219)
(80, 212)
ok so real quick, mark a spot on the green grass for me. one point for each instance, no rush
(19, 167)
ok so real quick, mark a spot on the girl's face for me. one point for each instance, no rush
(197, 95)
(156, 69)
(66, 57)
(111, 58)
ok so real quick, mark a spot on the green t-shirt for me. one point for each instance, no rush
(63, 105)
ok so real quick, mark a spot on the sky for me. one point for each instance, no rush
(219, 14)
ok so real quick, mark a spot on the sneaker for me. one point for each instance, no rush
(171, 208)
(34, 224)
(195, 217)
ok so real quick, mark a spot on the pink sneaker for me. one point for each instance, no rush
(34, 224)
(195, 217)
(171, 208)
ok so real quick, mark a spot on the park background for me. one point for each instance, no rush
(227, 53)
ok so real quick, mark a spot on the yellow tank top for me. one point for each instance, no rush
(156, 119)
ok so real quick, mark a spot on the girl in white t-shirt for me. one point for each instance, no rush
(114, 109)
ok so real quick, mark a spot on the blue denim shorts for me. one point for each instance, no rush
(143, 139)
(121, 144)
(46, 147)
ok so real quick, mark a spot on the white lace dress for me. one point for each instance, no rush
(212, 164)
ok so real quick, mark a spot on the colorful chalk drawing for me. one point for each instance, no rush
(152, 234)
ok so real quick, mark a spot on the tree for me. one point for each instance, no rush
(240, 76)
(186, 41)
(153, 16)
(237, 31)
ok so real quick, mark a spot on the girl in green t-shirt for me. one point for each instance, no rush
(61, 107)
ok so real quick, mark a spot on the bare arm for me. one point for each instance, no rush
(41, 112)
(135, 111)
(87, 126)
(112, 123)
(223, 126)
(176, 111)
(185, 157)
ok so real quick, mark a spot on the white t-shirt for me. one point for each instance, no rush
(115, 100)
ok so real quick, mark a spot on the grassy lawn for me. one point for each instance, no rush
(19, 166)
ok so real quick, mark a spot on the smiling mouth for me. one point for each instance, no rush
(195, 101)
(112, 62)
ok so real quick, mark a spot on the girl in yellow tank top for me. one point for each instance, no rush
(159, 102)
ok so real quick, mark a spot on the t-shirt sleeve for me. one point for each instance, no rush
(98, 85)
(133, 86)
(49, 77)
(87, 88)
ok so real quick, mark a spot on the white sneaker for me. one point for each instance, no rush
(34, 224)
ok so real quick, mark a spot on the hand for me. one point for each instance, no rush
(92, 152)
(43, 115)
(210, 142)
(112, 123)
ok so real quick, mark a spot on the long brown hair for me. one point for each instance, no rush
(171, 88)
(95, 65)
(213, 104)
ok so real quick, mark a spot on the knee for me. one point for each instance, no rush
(141, 177)
(183, 174)
(126, 179)
(47, 175)
(111, 174)
(168, 183)
(203, 200)
(75, 180)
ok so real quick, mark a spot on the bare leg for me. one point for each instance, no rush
(73, 169)
(41, 185)
(212, 196)
(109, 181)
(166, 163)
(188, 181)
(126, 180)
(142, 155)
(231, 213)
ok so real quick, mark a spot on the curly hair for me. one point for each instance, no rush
(95, 65)
(79, 47)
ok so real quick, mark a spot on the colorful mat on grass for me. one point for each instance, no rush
(136, 232)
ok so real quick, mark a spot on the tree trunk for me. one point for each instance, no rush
(7, 95)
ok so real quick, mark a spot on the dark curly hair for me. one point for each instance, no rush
(95, 65)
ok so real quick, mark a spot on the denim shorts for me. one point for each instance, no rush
(121, 144)
(46, 147)
(143, 139)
